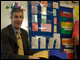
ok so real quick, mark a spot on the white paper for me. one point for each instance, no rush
(51, 43)
(56, 35)
(42, 42)
(34, 43)
(57, 46)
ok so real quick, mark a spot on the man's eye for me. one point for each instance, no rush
(21, 16)
(16, 16)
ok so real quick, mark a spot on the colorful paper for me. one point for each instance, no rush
(34, 27)
(63, 31)
(66, 14)
(43, 10)
(70, 53)
(35, 3)
(55, 28)
(34, 9)
(44, 3)
(47, 27)
(43, 19)
(67, 41)
(54, 12)
(65, 24)
(77, 12)
(34, 19)
(52, 54)
(55, 20)
(42, 54)
(55, 5)
(66, 19)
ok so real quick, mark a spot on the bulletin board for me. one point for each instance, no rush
(66, 16)
(44, 25)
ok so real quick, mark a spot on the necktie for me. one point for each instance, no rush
(20, 44)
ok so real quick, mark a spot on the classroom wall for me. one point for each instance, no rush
(5, 19)
(5, 13)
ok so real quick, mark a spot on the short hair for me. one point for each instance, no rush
(16, 10)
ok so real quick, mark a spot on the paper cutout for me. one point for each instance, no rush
(65, 24)
(66, 41)
(67, 47)
(56, 35)
(44, 3)
(77, 12)
(34, 19)
(51, 43)
(73, 7)
(35, 3)
(57, 46)
(66, 15)
(55, 20)
(54, 12)
(55, 28)
(42, 42)
(34, 9)
(66, 12)
(34, 27)
(70, 53)
(55, 5)
(34, 42)
(65, 19)
(63, 31)
(43, 54)
(47, 27)
(43, 19)
(43, 10)
(52, 54)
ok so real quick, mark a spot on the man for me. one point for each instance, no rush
(75, 37)
(9, 42)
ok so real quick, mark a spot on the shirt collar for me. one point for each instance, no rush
(15, 30)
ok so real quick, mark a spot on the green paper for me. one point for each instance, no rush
(13, 5)
(54, 12)
(64, 19)
(34, 18)
(43, 19)
(66, 32)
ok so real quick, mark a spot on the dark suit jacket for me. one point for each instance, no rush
(9, 46)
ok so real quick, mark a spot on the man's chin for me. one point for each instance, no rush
(18, 27)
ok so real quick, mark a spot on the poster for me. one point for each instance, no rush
(44, 25)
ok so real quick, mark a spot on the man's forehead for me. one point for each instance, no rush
(18, 13)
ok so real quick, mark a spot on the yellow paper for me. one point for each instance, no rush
(43, 10)
(43, 54)
(65, 24)
(55, 28)
(77, 12)
(55, 5)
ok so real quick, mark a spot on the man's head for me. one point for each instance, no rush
(16, 17)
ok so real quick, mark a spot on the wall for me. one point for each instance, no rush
(5, 20)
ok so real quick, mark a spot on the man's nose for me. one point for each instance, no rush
(18, 18)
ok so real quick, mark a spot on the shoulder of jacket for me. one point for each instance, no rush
(22, 30)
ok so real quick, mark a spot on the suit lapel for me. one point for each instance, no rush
(13, 35)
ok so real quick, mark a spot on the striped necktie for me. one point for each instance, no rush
(20, 44)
